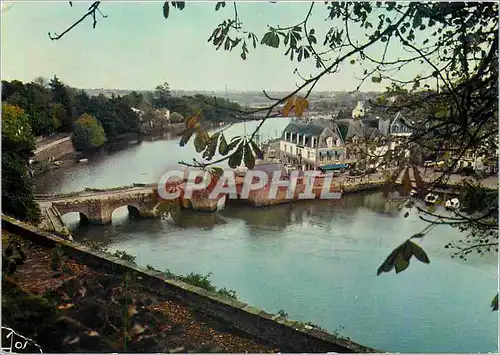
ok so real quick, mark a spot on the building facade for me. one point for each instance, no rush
(308, 145)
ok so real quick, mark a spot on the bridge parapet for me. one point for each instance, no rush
(87, 191)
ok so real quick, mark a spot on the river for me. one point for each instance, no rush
(315, 260)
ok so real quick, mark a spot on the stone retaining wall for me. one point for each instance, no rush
(55, 150)
(290, 336)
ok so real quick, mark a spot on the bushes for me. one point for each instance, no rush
(198, 280)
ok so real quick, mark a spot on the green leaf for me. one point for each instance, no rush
(249, 158)
(389, 262)
(235, 159)
(494, 303)
(223, 146)
(219, 4)
(419, 253)
(166, 9)
(217, 171)
(201, 140)
(212, 146)
(401, 264)
(179, 4)
(257, 151)
(234, 142)
(271, 39)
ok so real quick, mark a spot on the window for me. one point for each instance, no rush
(329, 142)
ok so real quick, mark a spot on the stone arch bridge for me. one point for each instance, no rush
(96, 206)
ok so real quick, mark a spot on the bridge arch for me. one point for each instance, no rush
(74, 218)
(133, 211)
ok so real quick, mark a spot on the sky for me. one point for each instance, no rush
(135, 47)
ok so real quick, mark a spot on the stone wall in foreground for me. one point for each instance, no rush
(290, 336)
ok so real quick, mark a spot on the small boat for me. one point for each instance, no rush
(431, 198)
(57, 163)
(84, 160)
(452, 204)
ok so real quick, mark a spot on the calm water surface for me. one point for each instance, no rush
(315, 260)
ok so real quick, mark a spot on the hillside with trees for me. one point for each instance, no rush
(43, 108)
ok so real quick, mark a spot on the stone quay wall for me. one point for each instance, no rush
(54, 150)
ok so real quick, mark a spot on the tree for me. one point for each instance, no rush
(176, 117)
(454, 99)
(61, 95)
(88, 133)
(17, 146)
(162, 96)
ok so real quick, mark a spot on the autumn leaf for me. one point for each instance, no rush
(296, 103)
(288, 107)
(186, 135)
(192, 121)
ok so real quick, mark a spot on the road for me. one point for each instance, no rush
(92, 194)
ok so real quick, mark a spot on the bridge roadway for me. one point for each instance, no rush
(93, 193)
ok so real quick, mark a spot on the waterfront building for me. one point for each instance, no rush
(308, 145)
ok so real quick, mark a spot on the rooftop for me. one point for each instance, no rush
(308, 129)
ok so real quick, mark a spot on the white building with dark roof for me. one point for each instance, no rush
(309, 145)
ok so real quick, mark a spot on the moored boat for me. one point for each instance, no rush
(431, 198)
(452, 204)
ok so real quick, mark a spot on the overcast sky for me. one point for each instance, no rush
(136, 48)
